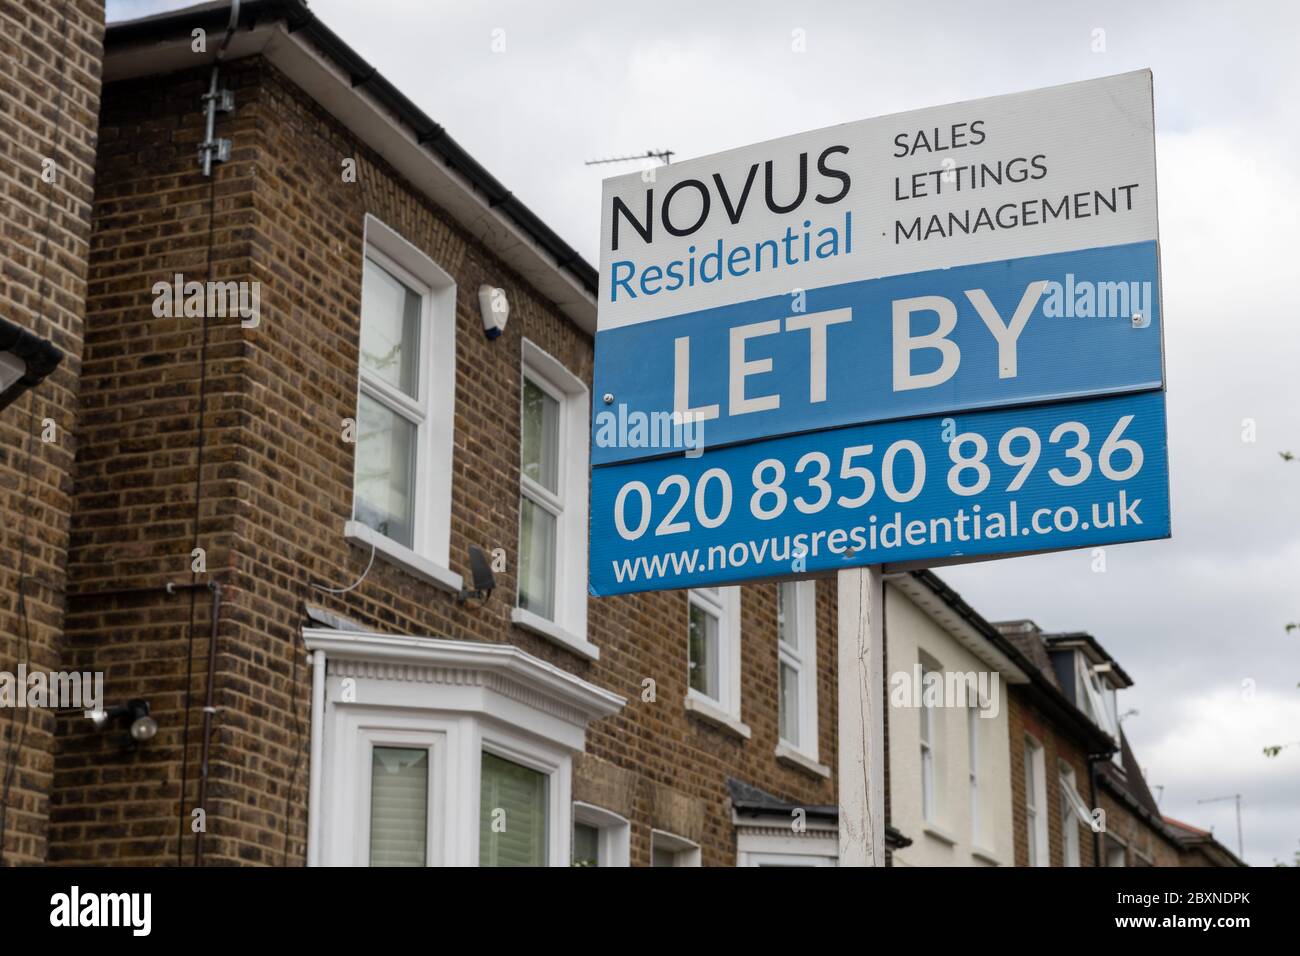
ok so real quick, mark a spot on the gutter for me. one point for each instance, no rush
(430, 135)
(1130, 802)
(40, 356)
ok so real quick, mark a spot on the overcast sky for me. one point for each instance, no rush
(1191, 619)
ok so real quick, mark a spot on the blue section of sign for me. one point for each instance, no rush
(1041, 478)
(1080, 339)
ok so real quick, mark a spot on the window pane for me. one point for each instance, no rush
(662, 857)
(927, 783)
(789, 704)
(399, 806)
(786, 614)
(1031, 787)
(586, 845)
(385, 482)
(541, 438)
(536, 559)
(704, 652)
(512, 814)
(390, 329)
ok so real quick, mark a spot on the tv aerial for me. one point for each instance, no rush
(664, 156)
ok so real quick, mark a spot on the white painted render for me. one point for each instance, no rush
(910, 634)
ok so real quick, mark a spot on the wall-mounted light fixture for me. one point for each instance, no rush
(495, 309)
(25, 361)
(484, 580)
(140, 726)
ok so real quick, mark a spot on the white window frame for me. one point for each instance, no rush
(1112, 845)
(614, 847)
(552, 763)
(929, 732)
(803, 658)
(724, 711)
(1034, 765)
(431, 738)
(569, 628)
(973, 772)
(1070, 821)
(685, 852)
(1092, 691)
(769, 840)
(788, 860)
(433, 413)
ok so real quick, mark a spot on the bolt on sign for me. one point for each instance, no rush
(910, 340)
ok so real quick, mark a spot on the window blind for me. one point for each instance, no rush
(514, 799)
(399, 806)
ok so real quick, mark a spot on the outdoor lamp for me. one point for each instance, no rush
(481, 572)
(141, 726)
(25, 360)
(494, 307)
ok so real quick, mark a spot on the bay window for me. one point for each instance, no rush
(430, 752)
(399, 806)
(512, 814)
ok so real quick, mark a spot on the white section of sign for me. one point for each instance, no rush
(1089, 145)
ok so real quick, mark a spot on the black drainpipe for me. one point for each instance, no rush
(1093, 760)
(208, 709)
(208, 712)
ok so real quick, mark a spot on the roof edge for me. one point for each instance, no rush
(429, 135)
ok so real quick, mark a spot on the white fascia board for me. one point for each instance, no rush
(373, 125)
(958, 627)
(504, 659)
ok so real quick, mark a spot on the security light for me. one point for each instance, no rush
(494, 307)
(141, 727)
(481, 571)
(25, 361)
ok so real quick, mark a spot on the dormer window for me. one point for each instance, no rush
(1095, 695)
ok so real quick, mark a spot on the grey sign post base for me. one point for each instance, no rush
(861, 688)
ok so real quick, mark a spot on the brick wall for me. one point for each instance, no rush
(1024, 718)
(276, 485)
(1142, 845)
(50, 58)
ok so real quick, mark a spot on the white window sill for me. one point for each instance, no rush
(986, 856)
(791, 757)
(553, 632)
(940, 834)
(711, 713)
(413, 564)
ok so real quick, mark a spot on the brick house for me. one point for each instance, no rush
(329, 466)
(1076, 757)
(49, 101)
(1198, 847)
